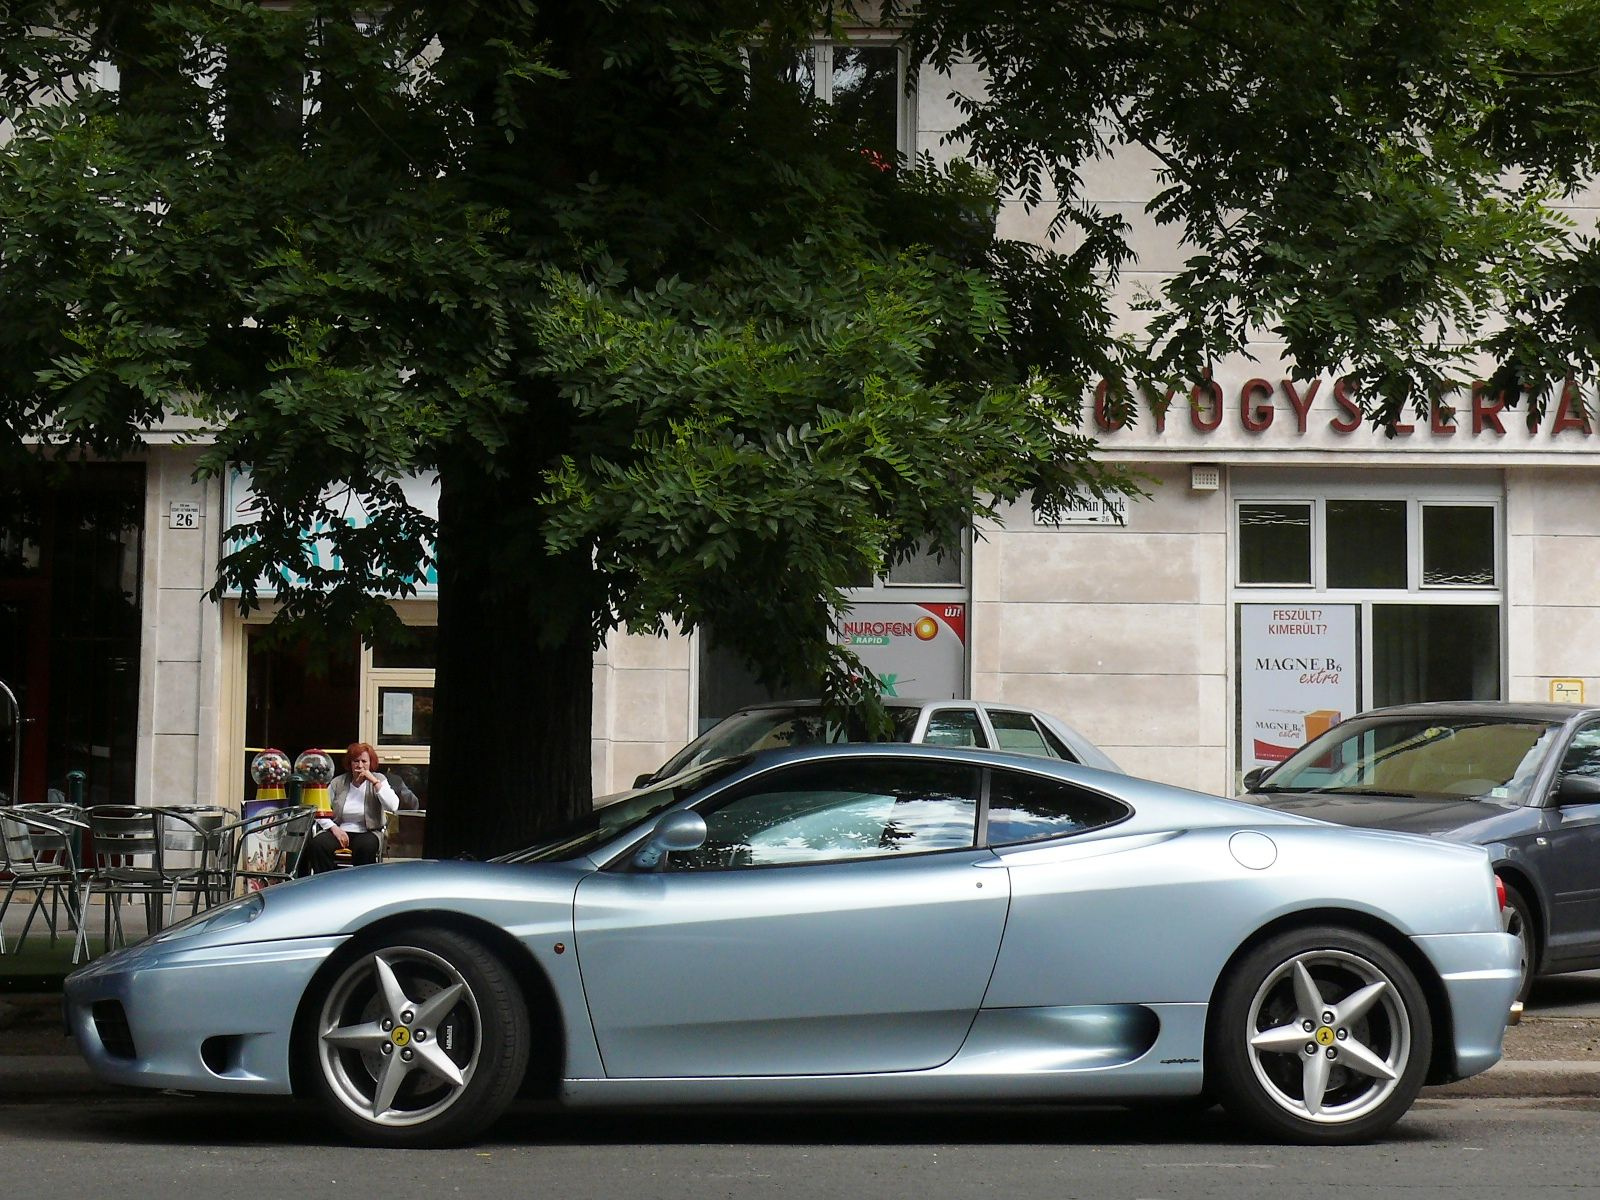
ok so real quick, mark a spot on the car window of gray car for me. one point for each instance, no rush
(1583, 755)
(1021, 734)
(1026, 808)
(845, 810)
(954, 727)
(1421, 756)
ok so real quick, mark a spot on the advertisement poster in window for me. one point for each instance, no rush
(915, 650)
(1297, 676)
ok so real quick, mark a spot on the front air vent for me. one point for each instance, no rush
(111, 1023)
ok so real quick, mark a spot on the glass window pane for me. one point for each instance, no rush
(866, 98)
(1275, 543)
(1019, 732)
(833, 812)
(1025, 809)
(409, 781)
(771, 67)
(926, 567)
(1583, 756)
(1458, 546)
(954, 727)
(415, 648)
(1435, 652)
(1367, 544)
(405, 716)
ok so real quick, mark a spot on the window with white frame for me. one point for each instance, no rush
(862, 75)
(1400, 581)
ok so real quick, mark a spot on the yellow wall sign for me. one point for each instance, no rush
(1566, 691)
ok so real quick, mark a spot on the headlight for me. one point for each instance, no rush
(225, 916)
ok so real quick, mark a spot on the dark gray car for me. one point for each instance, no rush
(1522, 780)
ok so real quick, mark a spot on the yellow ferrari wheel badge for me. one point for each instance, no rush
(402, 1035)
(1324, 1036)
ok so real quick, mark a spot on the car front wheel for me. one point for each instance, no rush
(1320, 1035)
(420, 1039)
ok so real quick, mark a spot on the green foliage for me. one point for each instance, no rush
(663, 322)
(1374, 184)
(681, 326)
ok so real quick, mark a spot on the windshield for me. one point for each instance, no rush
(1420, 757)
(777, 729)
(615, 820)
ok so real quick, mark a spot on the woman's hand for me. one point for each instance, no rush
(342, 837)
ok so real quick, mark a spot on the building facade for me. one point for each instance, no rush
(1288, 565)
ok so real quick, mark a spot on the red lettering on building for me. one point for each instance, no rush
(1351, 421)
(1442, 418)
(1159, 406)
(1255, 405)
(1104, 418)
(1197, 406)
(1572, 412)
(1302, 408)
(1486, 412)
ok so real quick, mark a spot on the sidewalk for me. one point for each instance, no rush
(1552, 1053)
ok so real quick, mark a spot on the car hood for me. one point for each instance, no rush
(1433, 815)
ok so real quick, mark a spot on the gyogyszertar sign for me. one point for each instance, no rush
(1250, 411)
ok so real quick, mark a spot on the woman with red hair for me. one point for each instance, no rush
(359, 798)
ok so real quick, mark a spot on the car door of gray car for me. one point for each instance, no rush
(1571, 854)
(832, 923)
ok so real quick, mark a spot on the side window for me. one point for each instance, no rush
(857, 808)
(1583, 756)
(954, 727)
(1025, 808)
(1020, 733)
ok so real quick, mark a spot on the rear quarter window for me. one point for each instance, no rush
(1028, 808)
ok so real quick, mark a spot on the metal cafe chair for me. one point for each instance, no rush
(266, 848)
(126, 843)
(188, 858)
(38, 849)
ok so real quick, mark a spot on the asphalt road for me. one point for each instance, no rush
(192, 1149)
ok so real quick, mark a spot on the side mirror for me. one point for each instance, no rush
(644, 780)
(1578, 789)
(682, 830)
(1253, 778)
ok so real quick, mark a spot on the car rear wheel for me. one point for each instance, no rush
(1518, 918)
(420, 1039)
(1320, 1035)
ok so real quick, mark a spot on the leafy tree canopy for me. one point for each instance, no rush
(676, 347)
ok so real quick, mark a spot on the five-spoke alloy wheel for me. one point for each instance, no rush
(420, 1039)
(1320, 1035)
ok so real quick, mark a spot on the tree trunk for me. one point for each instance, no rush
(514, 688)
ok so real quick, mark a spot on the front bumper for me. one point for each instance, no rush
(207, 1018)
(1481, 973)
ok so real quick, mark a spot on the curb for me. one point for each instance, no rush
(1525, 1079)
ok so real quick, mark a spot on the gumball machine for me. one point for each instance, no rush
(270, 769)
(261, 852)
(316, 768)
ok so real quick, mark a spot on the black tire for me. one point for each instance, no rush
(1368, 1063)
(396, 1061)
(1519, 919)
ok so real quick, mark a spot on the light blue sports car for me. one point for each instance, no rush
(858, 924)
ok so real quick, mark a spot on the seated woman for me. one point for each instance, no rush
(359, 799)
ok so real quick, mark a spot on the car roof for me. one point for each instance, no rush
(888, 702)
(1511, 710)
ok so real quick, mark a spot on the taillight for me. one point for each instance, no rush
(1500, 891)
